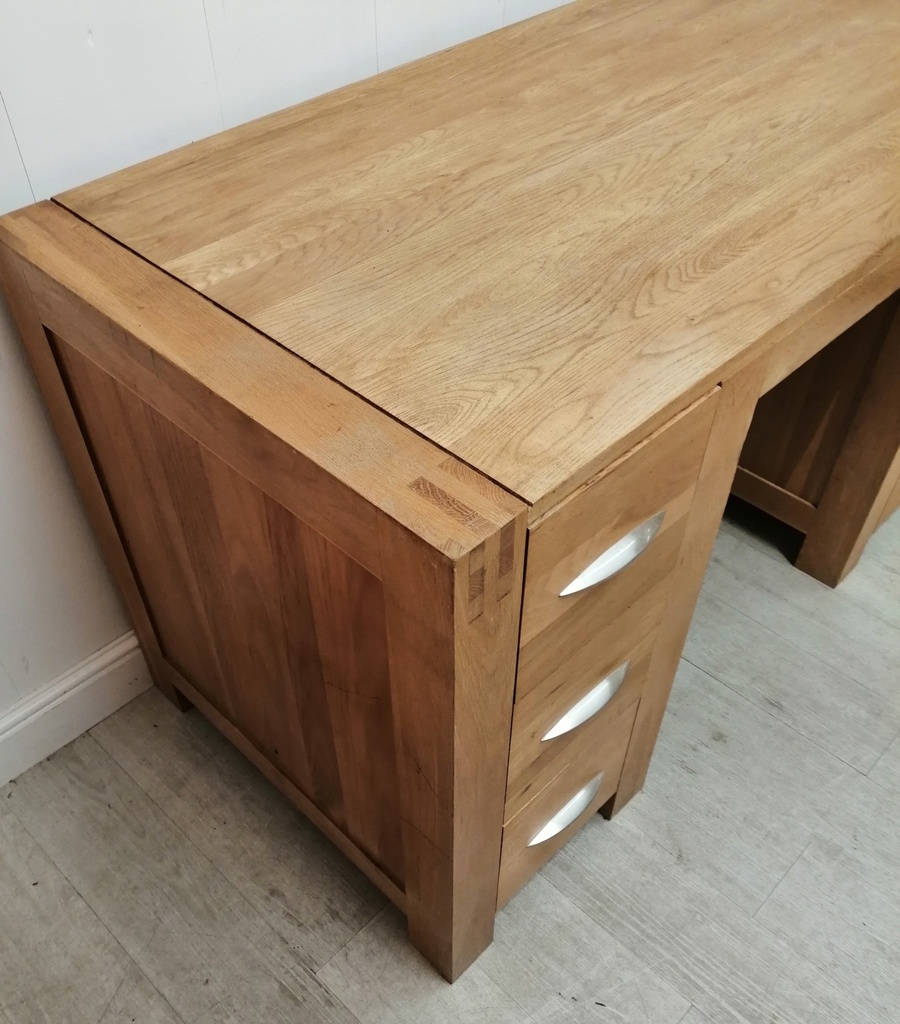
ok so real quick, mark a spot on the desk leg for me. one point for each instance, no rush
(865, 477)
(737, 402)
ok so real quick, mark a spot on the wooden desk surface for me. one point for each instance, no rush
(537, 246)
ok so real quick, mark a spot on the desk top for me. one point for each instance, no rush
(534, 247)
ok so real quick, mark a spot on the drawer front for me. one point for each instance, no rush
(580, 786)
(575, 643)
(583, 745)
(607, 537)
(574, 689)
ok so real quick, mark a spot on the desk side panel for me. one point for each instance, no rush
(337, 595)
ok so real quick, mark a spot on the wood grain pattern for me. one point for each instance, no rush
(566, 675)
(46, 371)
(866, 473)
(333, 573)
(602, 737)
(283, 425)
(727, 963)
(776, 501)
(57, 960)
(838, 906)
(657, 476)
(799, 426)
(795, 688)
(536, 266)
(733, 799)
(733, 414)
(297, 797)
(283, 865)
(864, 614)
(279, 630)
(453, 738)
(892, 503)
(202, 945)
(566, 962)
(727, 783)
(599, 748)
(556, 268)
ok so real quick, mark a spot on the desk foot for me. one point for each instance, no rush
(866, 476)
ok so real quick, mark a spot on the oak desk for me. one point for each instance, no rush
(406, 416)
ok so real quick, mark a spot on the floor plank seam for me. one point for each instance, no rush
(787, 725)
(781, 880)
(124, 952)
(811, 655)
(868, 774)
(639, 955)
(296, 963)
(368, 924)
(344, 945)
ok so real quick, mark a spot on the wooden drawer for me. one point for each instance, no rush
(574, 643)
(576, 691)
(617, 522)
(578, 782)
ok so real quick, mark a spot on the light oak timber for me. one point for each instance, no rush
(800, 427)
(774, 500)
(347, 428)
(723, 819)
(600, 747)
(154, 338)
(734, 411)
(229, 810)
(565, 676)
(866, 473)
(229, 477)
(281, 781)
(537, 267)
(53, 390)
(657, 476)
(570, 754)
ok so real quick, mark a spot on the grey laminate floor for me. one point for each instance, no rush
(148, 874)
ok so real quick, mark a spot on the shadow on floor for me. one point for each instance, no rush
(757, 523)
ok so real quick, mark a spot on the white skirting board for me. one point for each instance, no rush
(76, 701)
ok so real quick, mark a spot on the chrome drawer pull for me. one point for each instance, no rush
(589, 705)
(615, 558)
(569, 812)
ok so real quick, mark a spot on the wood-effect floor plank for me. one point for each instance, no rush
(694, 1016)
(837, 627)
(733, 968)
(549, 963)
(560, 965)
(57, 960)
(198, 940)
(740, 791)
(728, 789)
(849, 719)
(886, 772)
(840, 908)
(874, 584)
(313, 898)
(383, 980)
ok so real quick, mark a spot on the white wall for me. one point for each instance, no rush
(88, 87)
